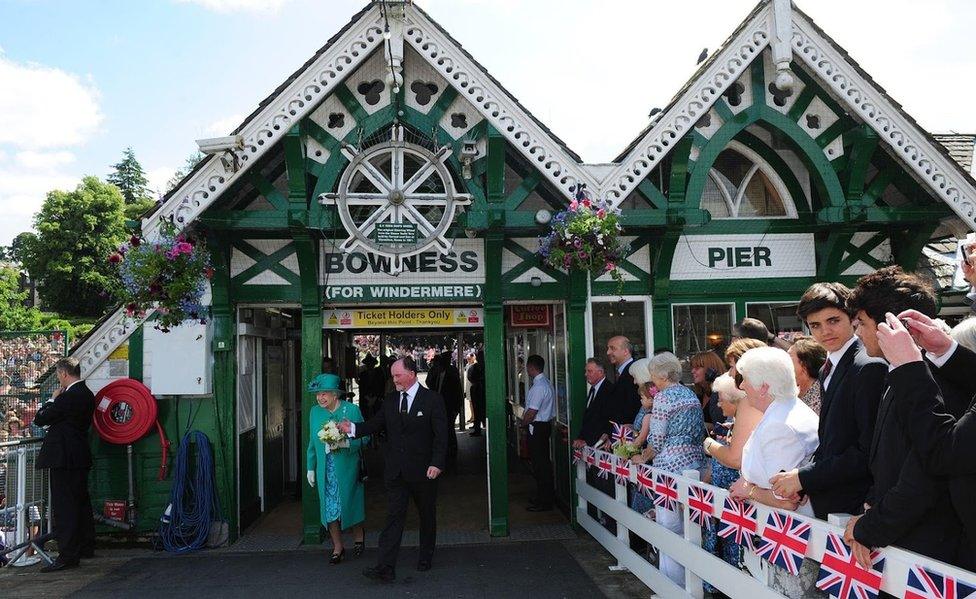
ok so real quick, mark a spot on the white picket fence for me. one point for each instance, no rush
(700, 565)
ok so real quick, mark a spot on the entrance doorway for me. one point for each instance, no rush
(268, 410)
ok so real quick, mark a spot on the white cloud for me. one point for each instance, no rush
(225, 125)
(45, 107)
(22, 194)
(32, 159)
(158, 176)
(229, 6)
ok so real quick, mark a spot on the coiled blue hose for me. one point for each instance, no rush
(185, 525)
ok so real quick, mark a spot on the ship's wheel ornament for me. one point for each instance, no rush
(396, 199)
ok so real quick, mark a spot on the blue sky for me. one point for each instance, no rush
(82, 79)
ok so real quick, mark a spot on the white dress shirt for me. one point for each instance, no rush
(835, 357)
(541, 398)
(939, 361)
(411, 394)
(784, 439)
(624, 366)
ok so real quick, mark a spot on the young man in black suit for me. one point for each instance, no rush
(944, 440)
(65, 452)
(414, 455)
(906, 506)
(838, 478)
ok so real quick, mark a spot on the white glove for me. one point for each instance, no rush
(310, 475)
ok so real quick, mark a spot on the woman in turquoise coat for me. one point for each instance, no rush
(341, 501)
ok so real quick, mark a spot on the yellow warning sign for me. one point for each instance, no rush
(120, 353)
(406, 318)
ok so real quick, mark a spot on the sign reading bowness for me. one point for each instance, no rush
(362, 277)
(394, 318)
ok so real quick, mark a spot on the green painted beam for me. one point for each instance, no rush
(295, 167)
(351, 103)
(245, 219)
(264, 262)
(442, 104)
(496, 412)
(136, 357)
(652, 194)
(575, 363)
(520, 193)
(267, 190)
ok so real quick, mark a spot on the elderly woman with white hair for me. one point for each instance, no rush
(785, 438)
(676, 432)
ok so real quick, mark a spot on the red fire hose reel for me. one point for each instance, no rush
(125, 410)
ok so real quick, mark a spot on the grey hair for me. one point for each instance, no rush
(726, 389)
(769, 366)
(597, 362)
(69, 366)
(965, 333)
(665, 365)
(638, 370)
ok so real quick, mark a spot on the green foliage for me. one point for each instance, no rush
(169, 274)
(75, 326)
(14, 316)
(135, 210)
(129, 177)
(76, 230)
(191, 161)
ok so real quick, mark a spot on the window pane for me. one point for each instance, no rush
(713, 200)
(761, 198)
(779, 317)
(700, 328)
(559, 381)
(618, 318)
(733, 166)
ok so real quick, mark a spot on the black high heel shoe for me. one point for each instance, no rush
(358, 548)
(337, 557)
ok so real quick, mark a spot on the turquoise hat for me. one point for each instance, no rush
(324, 382)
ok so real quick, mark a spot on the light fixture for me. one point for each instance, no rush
(543, 216)
(535, 281)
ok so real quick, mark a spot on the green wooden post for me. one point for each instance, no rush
(224, 383)
(575, 365)
(495, 399)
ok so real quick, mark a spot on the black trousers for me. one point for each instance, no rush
(74, 526)
(452, 444)
(398, 494)
(541, 462)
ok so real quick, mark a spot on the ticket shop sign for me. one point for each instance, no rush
(403, 318)
(534, 316)
(362, 277)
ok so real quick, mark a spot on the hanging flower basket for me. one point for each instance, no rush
(169, 275)
(586, 236)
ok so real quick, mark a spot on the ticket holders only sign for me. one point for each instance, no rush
(397, 318)
(362, 277)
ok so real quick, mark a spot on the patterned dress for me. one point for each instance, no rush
(812, 397)
(723, 477)
(677, 430)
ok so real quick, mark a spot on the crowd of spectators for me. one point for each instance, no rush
(26, 363)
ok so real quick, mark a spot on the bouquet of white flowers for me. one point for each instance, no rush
(332, 436)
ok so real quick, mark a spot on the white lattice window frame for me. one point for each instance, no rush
(758, 165)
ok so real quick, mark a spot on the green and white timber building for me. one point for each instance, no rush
(392, 183)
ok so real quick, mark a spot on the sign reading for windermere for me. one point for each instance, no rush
(699, 257)
(395, 318)
(362, 277)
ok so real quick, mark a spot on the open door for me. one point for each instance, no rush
(249, 392)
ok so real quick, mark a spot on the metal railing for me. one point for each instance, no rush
(700, 564)
(25, 517)
(27, 378)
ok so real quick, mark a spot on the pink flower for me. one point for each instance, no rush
(601, 213)
(115, 258)
(586, 203)
(573, 205)
(134, 241)
(610, 266)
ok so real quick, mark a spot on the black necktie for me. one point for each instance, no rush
(403, 402)
(589, 396)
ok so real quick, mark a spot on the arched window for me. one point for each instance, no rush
(740, 184)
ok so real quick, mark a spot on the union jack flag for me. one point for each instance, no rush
(926, 584)
(577, 454)
(589, 455)
(604, 464)
(700, 506)
(645, 479)
(621, 469)
(737, 522)
(622, 433)
(784, 542)
(841, 576)
(666, 492)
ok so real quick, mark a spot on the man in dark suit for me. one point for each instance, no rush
(838, 478)
(448, 385)
(65, 452)
(906, 506)
(625, 402)
(595, 425)
(944, 439)
(414, 455)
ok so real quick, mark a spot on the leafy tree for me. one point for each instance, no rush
(191, 161)
(135, 210)
(129, 177)
(14, 316)
(76, 232)
(18, 248)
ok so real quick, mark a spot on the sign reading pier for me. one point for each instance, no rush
(363, 277)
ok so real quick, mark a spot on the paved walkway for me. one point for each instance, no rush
(536, 569)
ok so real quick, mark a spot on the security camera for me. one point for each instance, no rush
(213, 145)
